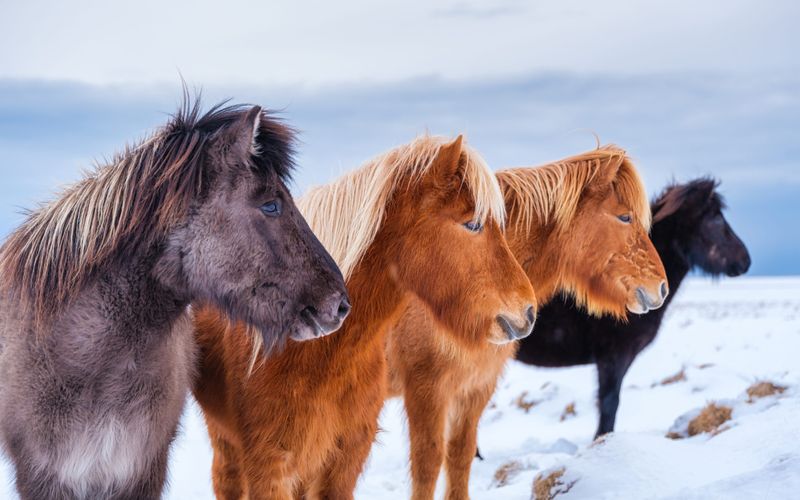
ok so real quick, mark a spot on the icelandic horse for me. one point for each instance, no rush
(577, 226)
(689, 232)
(96, 343)
(423, 220)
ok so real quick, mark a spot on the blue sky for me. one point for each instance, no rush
(687, 89)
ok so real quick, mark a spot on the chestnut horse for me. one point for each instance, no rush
(577, 226)
(96, 344)
(423, 220)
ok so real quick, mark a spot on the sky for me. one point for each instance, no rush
(688, 88)
(311, 44)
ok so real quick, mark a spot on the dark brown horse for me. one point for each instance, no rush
(689, 232)
(96, 345)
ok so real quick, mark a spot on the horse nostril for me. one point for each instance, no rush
(530, 314)
(344, 308)
(311, 311)
(664, 290)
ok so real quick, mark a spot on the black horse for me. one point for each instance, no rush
(689, 231)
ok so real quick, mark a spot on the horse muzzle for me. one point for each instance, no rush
(316, 322)
(515, 331)
(647, 301)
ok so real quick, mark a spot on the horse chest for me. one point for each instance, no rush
(127, 411)
(469, 369)
(488, 367)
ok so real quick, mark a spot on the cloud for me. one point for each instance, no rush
(316, 43)
(482, 10)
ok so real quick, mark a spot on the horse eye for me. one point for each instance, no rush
(272, 208)
(626, 218)
(474, 226)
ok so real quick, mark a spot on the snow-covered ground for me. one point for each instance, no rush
(724, 336)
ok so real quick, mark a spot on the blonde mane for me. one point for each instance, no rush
(347, 213)
(551, 193)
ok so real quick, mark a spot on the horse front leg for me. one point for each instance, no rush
(610, 373)
(341, 473)
(226, 468)
(462, 442)
(426, 422)
(150, 483)
(267, 471)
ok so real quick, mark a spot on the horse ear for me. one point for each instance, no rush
(705, 189)
(608, 168)
(448, 159)
(243, 135)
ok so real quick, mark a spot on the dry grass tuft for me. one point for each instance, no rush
(568, 412)
(763, 389)
(550, 486)
(506, 473)
(525, 404)
(709, 419)
(674, 379)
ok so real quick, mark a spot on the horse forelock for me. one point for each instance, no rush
(347, 213)
(674, 197)
(552, 192)
(123, 206)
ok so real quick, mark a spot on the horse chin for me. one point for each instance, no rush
(307, 327)
(637, 308)
(638, 304)
(736, 269)
(303, 333)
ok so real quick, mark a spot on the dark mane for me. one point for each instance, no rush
(127, 205)
(275, 140)
(675, 195)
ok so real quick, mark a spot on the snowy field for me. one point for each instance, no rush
(723, 336)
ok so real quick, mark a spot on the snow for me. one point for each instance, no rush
(725, 336)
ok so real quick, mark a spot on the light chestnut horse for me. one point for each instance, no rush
(422, 221)
(577, 226)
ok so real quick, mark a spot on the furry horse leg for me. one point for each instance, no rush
(266, 472)
(150, 483)
(426, 419)
(610, 372)
(462, 442)
(226, 473)
(32, 485)
(35, 484)
(342, 471)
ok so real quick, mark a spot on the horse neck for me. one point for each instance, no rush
(675, 264)
(376, 301)
(539, 252)
(139, 303)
